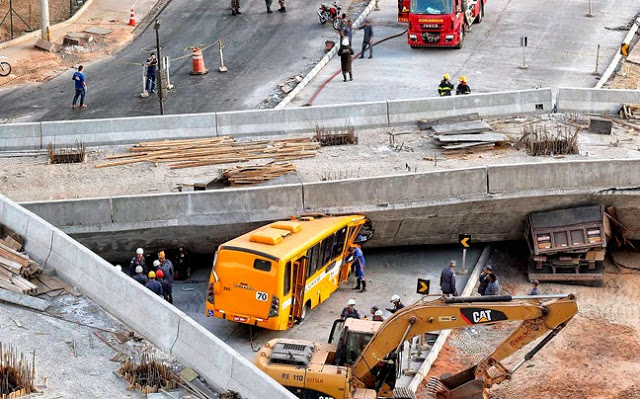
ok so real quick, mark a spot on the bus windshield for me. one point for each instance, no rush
(432, 7)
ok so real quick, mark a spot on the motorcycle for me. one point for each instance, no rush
(330, 13)
(5, 67)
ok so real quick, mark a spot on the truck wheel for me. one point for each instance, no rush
(461, 42)
(305, 310)
(480, 14)
(413, 46)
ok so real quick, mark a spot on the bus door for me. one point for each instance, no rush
(297, 296)
(352, 233)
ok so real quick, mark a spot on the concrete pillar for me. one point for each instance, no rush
(44, 7)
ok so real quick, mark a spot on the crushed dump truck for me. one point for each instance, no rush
(567, 245)
(362, 358)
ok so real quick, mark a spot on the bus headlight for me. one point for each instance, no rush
(275, 306)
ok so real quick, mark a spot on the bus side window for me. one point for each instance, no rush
(327, 249)
(316, 260)
(338, 245)
(287, 279)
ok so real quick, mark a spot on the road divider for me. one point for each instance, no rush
(595, 101)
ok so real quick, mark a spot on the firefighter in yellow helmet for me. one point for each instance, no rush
(445, 86)
(463, 87)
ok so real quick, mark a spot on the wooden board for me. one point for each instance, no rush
(424, 124)
(11, 243)
(459, 138)
(13, 255)
(462, 127)
(466, 145)
(52, 283)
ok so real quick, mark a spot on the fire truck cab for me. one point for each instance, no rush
(440, 23)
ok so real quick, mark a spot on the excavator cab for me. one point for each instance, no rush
(351, 336)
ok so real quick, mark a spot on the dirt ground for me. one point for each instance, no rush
(29, 11)
(595, 356)
(30, 178)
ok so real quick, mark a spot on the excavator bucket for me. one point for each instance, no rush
(463, 385)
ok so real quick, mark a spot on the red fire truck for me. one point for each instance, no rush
(441, 23)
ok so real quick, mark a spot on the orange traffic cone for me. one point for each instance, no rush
(132, 18)
(198, 62)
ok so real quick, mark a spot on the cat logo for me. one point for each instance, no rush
(481, 316)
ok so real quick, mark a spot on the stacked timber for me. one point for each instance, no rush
(213, 151)
(244, 175)
(464, 135)
(15, 270)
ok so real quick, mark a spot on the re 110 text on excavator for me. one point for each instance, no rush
(361, 360)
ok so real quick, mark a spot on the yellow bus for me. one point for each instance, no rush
(271, 276)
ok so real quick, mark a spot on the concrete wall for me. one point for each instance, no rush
(265, 122)
(168, 328)
(595, 101)
(491, 203)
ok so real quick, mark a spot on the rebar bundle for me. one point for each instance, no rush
(149, 376)
(16, 373)
(68, 155)
(345, 135)
(540, 141)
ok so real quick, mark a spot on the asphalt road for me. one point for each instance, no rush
(261, 50)
(562, 46)
(388, 271)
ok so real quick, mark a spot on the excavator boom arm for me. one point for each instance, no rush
(539, 315)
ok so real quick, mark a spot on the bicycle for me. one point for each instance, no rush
(5, 67)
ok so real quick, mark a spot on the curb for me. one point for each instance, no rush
(614, 63)
(324, 61)
(442, 338)
(36, 33)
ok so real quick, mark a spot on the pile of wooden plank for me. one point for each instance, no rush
(243, 175)
(213, 151)
(463, 135)
(630, 111)
(15, 270)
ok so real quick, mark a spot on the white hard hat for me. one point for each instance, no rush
(345, 41)
(452, 262)
(119, 268)
(156, 262)
(351, 302)
(138, 269)
(395, 298)
(139, 251)
(378, 313)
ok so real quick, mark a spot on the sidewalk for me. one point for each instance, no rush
(30, 64)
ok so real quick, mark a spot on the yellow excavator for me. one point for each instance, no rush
(362, 358)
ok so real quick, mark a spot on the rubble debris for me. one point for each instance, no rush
(26, 301)
(341, 136)
(16, 373)
(68, 155)
(629, 111)
(230, 395)
(190, 378)
(96, 30)
(538, 140)
(425, 124)
(148, 375)
(76, 39)
(214, 151)
(246, 175)
(46, 45)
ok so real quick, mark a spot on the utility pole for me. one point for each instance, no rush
(156, 26)
(44, 10)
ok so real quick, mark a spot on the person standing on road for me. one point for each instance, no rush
(484, 279)
(154, 285)
(350, 311)
(282, 7)
(347, 31)
(167, 269)
(342, 22)
(367, 41)
(534, 288)
(445, 86)
(448, 280)
(152, 67)
(345, 52)
(493, 288)
(165, 284)
(359, 266)
(140, 277)
(397, 304)
(463, 87)
(235, 7)
(136, 261)
(80, 83)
